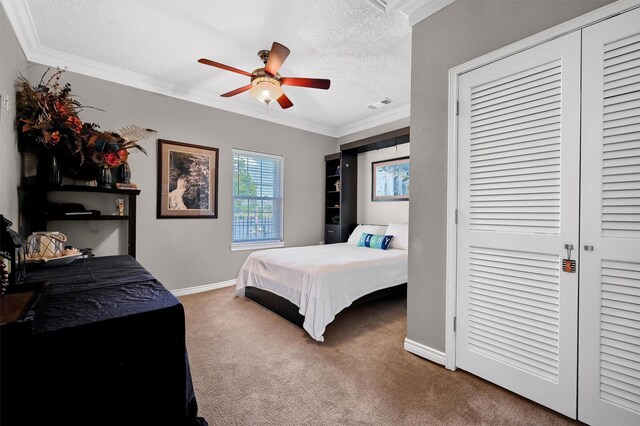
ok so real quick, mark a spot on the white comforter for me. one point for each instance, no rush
(323, 280)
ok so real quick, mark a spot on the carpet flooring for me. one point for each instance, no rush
(252, 367)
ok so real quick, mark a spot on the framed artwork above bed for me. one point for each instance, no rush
(390, 180)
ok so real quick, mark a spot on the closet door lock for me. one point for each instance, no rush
(568, 264)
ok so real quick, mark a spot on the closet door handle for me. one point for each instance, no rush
(588, 247)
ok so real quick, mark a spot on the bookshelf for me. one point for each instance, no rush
(36, 216)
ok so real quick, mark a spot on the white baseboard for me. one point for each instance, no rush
(201, 288)
(424, 351)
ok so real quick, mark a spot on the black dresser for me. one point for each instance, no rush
(103, 344)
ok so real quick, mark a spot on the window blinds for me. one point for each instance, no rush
(257, 197)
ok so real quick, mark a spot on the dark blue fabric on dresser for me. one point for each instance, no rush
(107, 346)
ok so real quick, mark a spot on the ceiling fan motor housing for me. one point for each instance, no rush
(264, 56)
(261, 75)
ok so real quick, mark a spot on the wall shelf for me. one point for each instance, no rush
(79, 188)
(340, 219)
(86, 217)
(34, 202)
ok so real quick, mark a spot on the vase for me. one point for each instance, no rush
(48, 169)
(55, 173)
(124, 173)
(105, 178)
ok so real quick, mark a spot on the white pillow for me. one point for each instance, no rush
(400, 232)
(369, 229)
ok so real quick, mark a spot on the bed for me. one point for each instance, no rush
(321, 280)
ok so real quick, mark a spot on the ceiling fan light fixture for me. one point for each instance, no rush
(266, 89)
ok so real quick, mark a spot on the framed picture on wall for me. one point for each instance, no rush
(187, 180)
(390, 180)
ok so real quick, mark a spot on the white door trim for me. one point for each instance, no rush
(452, 179)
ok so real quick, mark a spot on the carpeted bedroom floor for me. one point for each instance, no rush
(251, 367)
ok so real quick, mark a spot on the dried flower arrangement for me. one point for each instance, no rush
(111, 149)
(47, 114)
(47, 117)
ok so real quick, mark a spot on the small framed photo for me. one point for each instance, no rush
(390, 180)
(187, 180)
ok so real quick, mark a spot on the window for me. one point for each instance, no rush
(257, 200)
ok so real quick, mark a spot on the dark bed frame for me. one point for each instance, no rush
(289, 311)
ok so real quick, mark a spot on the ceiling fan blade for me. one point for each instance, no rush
(277, 56)
(284, 101)
(314, 83)
(237, 91)
(223, 66)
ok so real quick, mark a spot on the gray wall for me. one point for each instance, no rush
(12, 61)
(179, 252)
(191, 252)
(462, 31)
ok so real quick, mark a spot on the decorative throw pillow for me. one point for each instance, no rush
(369, 229)
(375, 241)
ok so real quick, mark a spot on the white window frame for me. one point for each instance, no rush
(256, 245)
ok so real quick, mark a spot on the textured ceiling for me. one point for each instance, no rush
(365, 52)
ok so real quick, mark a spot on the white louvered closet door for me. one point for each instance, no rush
(609, 375)
(518, 198)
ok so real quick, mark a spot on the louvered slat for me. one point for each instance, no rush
(620, 333)
(515, 152)
(515, 80)
(515, 109)
(621, 140)
(513, 308)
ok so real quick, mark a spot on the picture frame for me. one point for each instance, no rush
(390, 179)
(187, 180)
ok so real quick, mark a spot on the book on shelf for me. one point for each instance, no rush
(85, 213)
(120, 185)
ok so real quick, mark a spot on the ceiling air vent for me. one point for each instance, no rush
(380, 104)
(387, 5)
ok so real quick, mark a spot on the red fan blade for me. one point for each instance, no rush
(284, 101)
(314, 83)
(277, 56)
(223, 66)
(237, 91)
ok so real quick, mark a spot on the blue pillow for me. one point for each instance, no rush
(375, 241)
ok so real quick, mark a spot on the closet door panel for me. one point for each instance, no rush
(518, 204)
(609, 375)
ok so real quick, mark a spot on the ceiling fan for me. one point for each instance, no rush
(266, 83)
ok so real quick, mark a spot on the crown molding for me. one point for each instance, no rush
(21, 21)
(417, 10)
(379, 119)
(51, 57)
